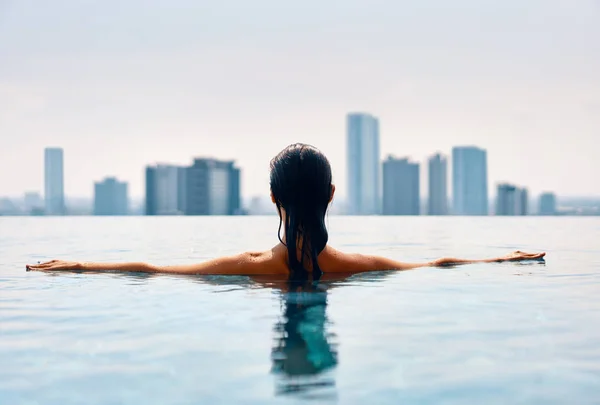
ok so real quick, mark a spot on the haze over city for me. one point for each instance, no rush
(123, 85)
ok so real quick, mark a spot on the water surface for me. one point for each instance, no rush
(494, 333)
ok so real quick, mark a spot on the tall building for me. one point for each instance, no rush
(547, 204)
(511, 200)
(437, 203)
(165, 190)
(469, 181)
(506, 199)
(150, 198)
(212, 188)
(401, 188)
(364, 190)
(110, 197)
(235, 197)
(54, 191)
(522, 201)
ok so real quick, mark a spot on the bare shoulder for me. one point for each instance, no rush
(333, 260)
(265, 262)
(336, 261)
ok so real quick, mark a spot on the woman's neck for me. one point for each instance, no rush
(299, 244)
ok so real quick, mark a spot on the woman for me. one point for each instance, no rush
(301, 189)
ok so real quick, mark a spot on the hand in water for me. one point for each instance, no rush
(54, 265)
(517, 256)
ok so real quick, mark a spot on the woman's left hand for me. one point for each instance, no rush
(517, 256)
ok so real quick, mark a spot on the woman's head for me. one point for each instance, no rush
(301, 189)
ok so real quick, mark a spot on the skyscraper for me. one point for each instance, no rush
(400, 187)
(511, 200)
(110, 197)
(54, 192)
(165, 190)
(469, 181)
(506, 199)
(522, 201)
(547, 204)
(212, 188)
(151, 191)
(364, 190)
(437, 203)
(235, 198)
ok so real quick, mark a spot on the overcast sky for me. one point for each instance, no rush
(120, 84)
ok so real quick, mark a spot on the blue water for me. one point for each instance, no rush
(493, 333)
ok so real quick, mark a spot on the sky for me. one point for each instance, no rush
(122, 84)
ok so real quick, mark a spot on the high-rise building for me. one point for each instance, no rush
(547, 204)
(506, 200)
(165, 190)
(110, 197)
(437, 203)
(54, 192)
(469, 181)
(364, 190)
(150, 199)
(401, 188)
(235, 197)
(212, 188)
(511, 200)
(522, 201)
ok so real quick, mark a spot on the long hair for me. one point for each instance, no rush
(301, 186)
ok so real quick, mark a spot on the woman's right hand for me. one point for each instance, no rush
(54, 265)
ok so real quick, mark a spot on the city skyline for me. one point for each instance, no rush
(521, 79)
(469, 159)
(424, 177)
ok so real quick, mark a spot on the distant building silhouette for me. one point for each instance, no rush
(522, 201)
(151, 197)
(469, 181)
(235, 192)
(33, 202)
(212, 188)
(437, 203)
(165, 190)
(511, 200)
(547, 204)
(54, 192)
(110, 197)
(363, 163)
(401, 187)
(506, 199)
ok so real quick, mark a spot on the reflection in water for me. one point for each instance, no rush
(304, 352)
(303, 349)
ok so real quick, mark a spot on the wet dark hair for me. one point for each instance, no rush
(301, 185)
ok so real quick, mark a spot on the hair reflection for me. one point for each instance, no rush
(303, 348)
(304, 352)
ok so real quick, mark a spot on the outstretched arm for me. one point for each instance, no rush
(516, 256)
(242, 264)
(370, 263)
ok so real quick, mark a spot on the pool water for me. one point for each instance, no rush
(492, 333)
